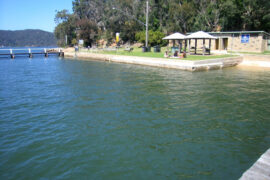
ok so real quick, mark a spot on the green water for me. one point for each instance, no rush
(66, 119)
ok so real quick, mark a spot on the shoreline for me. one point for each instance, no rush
(198, 65)
(259, 61)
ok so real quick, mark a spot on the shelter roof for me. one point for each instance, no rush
(200, 35)
(175, 36)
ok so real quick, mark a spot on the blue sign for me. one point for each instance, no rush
(245, 38)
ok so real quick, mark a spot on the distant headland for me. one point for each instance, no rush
(26, 38)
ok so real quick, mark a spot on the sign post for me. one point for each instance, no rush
(117, 37)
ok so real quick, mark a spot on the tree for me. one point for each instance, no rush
(65, 27)
(101, 20)
(88, 31)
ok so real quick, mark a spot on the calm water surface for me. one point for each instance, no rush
(66, 119)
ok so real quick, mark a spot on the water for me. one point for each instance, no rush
(66, 119)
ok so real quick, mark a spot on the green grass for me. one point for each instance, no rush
(256, 53)
(138, 52)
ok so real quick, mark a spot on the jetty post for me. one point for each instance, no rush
(30, 53)
(60, 53)
(46, 53)
(11, 54)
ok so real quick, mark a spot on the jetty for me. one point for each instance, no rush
(30, 52)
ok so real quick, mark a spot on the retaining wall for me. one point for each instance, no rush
(200, 65)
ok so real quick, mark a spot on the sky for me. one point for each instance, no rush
(31, 14)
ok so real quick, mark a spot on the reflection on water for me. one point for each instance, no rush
(100, 120)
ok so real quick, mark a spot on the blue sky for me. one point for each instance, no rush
(30, 14)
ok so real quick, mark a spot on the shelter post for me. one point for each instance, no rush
(189, 42)
(209, 46)
(195, 46)
(180, 45)
(204, 46)
(185, 45)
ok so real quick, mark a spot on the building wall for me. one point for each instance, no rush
(265, 44)
(256, 44)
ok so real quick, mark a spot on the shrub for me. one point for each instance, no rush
(154, 38)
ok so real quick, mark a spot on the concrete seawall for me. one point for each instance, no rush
(200, 65)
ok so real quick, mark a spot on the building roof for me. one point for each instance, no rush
(175, 36)
(200, 35)
(241, 32)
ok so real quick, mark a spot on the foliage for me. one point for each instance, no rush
(87, 30)
(166, 16)
(154, 38)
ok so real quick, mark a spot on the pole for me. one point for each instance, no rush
(66, 39)
(146, 33)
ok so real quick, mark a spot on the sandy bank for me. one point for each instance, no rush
(160, 62)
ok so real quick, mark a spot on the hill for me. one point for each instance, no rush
(28, 37)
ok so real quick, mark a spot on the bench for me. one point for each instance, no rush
(128, 49)
(110, 49)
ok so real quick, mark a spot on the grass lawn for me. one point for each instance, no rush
(255, 53)
(138, 52)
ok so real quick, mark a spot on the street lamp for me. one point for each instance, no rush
(145, 24)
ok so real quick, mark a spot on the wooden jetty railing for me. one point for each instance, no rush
(31, 51)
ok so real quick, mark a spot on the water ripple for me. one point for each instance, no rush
(65, 119)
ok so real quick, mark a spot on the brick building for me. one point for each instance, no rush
(241, 41)
(237, 41)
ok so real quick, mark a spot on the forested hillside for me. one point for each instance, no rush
(29, 38)
(96, 19)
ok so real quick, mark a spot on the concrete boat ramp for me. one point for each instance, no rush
(260, 169)
(200, 65)
(256, 60)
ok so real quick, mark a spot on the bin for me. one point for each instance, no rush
(175, 49)
(156, 49)
(146, 49)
